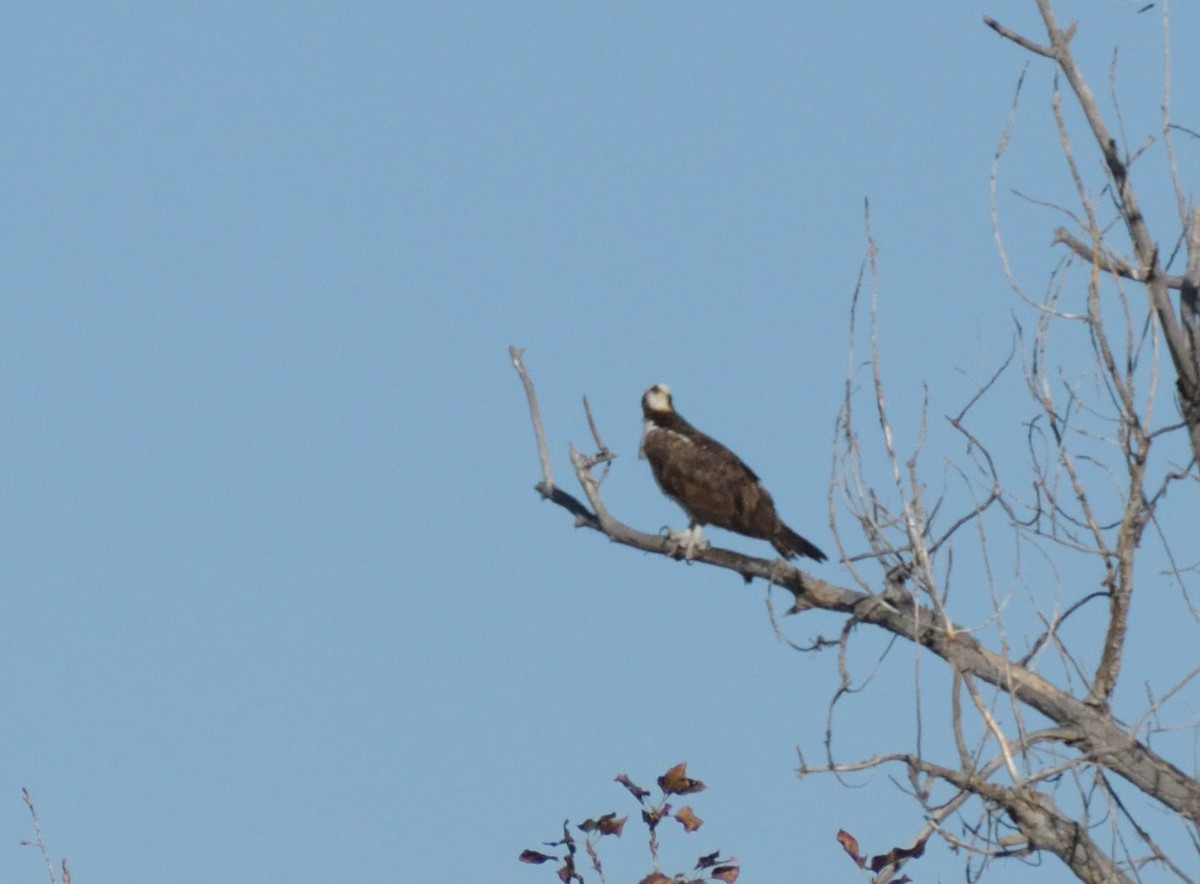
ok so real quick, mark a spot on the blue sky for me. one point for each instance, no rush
(278, 600)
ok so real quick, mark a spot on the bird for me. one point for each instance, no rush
(711, 483)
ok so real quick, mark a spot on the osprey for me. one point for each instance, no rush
(710, 482)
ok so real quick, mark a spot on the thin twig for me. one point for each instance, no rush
(602, 455)
(39, 839)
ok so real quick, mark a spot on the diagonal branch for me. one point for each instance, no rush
(1023, 42)
(1089, 730)
(1189, 310)
(1044, 825)
(1179, 333)
(1110, 263)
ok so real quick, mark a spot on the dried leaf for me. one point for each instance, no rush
(676, 781)
(850, 845)
(714, 860)
(688, 819)
(605, 825)
(637, 791)
(567, 873)
(567, 840)
(893, 856)
(728, 874)
(536, 857)
(610, 825)
(655, 878)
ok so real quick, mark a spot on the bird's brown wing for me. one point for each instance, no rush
(711, 483)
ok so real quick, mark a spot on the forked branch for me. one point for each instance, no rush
(1179, 330)
(1091, 732)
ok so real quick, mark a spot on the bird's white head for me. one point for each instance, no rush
(657, 400)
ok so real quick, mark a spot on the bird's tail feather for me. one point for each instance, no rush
(789, 544)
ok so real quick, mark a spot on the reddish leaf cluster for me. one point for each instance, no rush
(674, 782)
(728, 874)
(882, 860)
(652, 816)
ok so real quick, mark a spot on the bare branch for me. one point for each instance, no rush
(516, 354)
(1180, 344)
(40, 840)
(1036, 815)
(1029, 714)
(1023, 42)
(1094, 732)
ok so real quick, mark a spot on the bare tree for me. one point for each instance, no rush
(1051, 751)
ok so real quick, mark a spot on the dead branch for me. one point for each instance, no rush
(1181, 344)
(516, 354)
(1023, 42)
(1089, 445)
(1092, 732)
